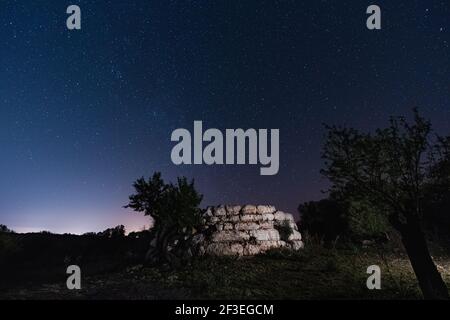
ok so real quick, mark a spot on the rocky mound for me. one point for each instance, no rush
(245, 231)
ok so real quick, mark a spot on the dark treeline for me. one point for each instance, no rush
(44, 256)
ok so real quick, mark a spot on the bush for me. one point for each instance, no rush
(365, 222)
(330, 219)
(324, 219)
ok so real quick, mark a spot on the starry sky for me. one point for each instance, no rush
(84, 113)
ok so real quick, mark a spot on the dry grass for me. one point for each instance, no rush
(313, 273)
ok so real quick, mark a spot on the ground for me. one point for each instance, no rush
(312, 273)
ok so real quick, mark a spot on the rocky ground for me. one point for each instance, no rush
(313, 273)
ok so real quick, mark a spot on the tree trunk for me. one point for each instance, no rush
(429, 278)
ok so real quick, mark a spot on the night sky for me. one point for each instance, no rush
(84, 113)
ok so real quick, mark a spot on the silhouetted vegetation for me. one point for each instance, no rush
(332, 220)
(323, 220)
(392, 169)
(5, 229)
(43, 256)
(175, 213)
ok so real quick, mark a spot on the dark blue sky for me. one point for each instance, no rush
(85, 113)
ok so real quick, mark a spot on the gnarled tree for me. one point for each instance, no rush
(391, 169)
(175, 212)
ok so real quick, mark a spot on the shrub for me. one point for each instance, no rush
(330, 219)
(175, 212)
(5, 229)
(324, 219)
(365, 222)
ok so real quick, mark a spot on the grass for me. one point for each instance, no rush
(312, 273)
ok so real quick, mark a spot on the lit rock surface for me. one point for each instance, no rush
(245, 231)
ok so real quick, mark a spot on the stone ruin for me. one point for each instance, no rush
(245, 231)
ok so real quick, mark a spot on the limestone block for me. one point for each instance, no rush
(283, 244)
(251, 217)
(279, 215)
(234, 218)
(289, 217)
(213, 220)
(266, 225)
(296, 245)
(268, 217)
(220, 211)
(293, 225)
(265, 209)
(266, 245)
(228, 226)
(236, 249)
(265, 235)
(229, 235)
(251, 249)
(248, 209)
(233, 210)
(295, 235)
(246, 226)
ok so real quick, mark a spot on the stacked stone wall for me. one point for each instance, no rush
(246, 230)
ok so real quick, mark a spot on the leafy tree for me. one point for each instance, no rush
(175, 212)
(113, 233)
(391, 169)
